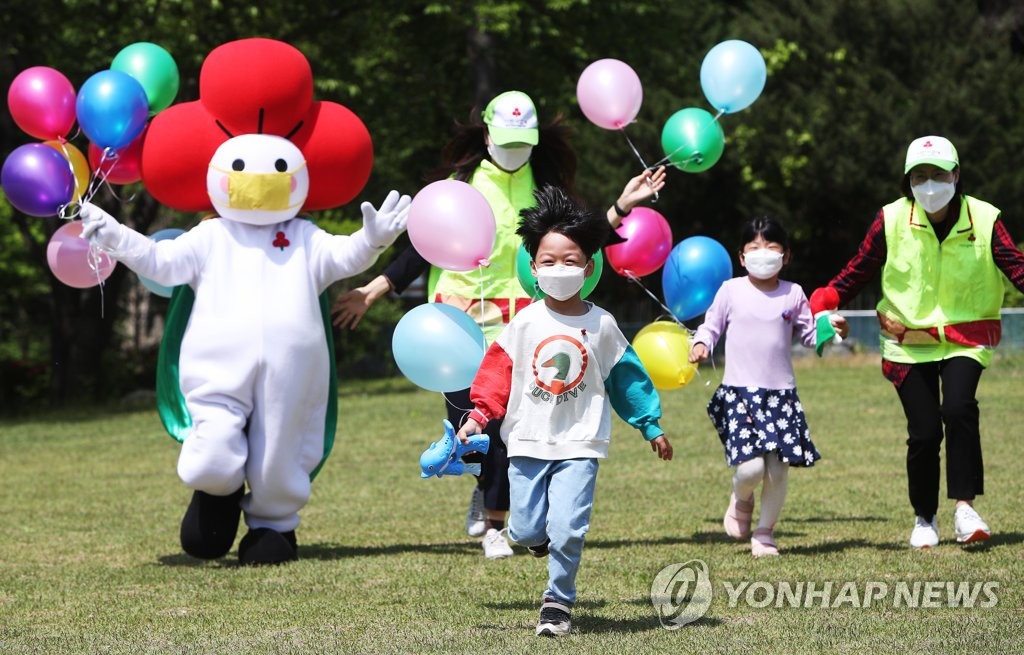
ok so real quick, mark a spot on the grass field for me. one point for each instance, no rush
(90, 562)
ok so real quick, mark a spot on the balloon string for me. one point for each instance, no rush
(634, 279)
(639, 157)
(480, 269)
(94, 265)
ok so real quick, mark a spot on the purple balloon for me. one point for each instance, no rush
(37, 179)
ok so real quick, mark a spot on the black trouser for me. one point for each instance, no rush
(493, 480)
(926, 414)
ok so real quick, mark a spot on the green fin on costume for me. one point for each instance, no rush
(825, 333)
(171, 402)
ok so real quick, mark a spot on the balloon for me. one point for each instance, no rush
(648, 243)
(732, 75)
(438, 347)
(42, 102)
(37, 179)
(73, 261)
(529, 281)
(664, 349)
(160, 235)
(155, 70)
(609, 93)
(112, 108)
(79, 166)
(692, 140)
(121, 166)
(451, 225)
(694, 270)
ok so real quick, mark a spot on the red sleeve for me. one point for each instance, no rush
(491, 386)
(865, 264)
(1007, 255)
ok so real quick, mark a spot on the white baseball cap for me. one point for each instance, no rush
(935, 150)
(511, 118)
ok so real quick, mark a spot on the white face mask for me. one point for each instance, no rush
(560, 282)
(933, 195)
(762, 263)
(509, 159)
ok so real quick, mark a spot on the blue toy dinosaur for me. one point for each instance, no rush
(443, 457)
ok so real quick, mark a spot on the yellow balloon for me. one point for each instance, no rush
(79, 166)
(664, 349)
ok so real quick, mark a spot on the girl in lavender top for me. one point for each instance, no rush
(756, 410)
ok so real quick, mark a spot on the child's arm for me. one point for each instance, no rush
(632, 395)
(661, 446)
(490, 391)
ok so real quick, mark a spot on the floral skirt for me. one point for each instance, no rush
(752, 422)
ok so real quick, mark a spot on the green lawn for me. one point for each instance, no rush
(90, 562)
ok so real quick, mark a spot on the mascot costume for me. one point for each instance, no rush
(247, 377)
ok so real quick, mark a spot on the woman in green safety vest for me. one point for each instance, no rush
(942, 256)
(504, 153)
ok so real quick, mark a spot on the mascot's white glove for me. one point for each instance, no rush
(99, 227)
(382, 226)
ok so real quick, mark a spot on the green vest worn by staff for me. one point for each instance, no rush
(170, 401)
(507, 194)
(936, 288)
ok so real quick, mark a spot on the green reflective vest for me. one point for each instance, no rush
(930, 286)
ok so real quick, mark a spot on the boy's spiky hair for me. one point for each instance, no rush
(557, 211)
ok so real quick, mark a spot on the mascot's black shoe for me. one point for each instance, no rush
(266, 546)
(210, 524)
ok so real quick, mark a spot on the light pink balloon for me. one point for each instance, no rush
(72, 261)
(451, 225)
(42, 102)
(648, 243)
(609, 93)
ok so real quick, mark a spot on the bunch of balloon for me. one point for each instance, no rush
(732, 76)
(112, 108)
(436, 346)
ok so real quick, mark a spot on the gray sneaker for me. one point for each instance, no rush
(554, 619)
(476, 518)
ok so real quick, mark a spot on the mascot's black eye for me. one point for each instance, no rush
(238, 165)
(281, 165)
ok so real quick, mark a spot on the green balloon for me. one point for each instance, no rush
(529, 280)
(692, 140)
(155, 70)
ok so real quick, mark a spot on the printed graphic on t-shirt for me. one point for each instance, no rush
(559, 363)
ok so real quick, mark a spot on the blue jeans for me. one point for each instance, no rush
(551, 499)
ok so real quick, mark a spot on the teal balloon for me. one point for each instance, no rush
(732, 75)
(692, 140)
(155, 70)
(438, 347)
(695, 269)
(159, 289)
(529, 281)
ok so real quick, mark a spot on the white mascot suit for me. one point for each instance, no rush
(254, 368)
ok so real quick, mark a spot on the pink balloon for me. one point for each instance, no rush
(648, 243)
(609, 93)
(451, 225)
(42, 102)
(72, 260)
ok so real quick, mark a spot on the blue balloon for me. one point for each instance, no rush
(732, 75)
(160, 235)
(438, 347)
(695, 269)
(112, 109)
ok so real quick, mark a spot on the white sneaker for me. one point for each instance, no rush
(969, 526)
(495, 545)
(476, 519)
(925, 534)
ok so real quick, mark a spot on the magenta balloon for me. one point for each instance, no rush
(42, 102)
(648, 243)
(73, 262)
(451, 225)
(609, 93)
(37, 179)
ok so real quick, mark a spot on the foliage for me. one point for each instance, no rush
(850, 83)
